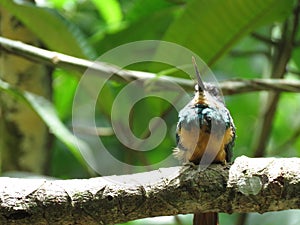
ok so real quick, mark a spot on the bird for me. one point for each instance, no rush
(205, 134)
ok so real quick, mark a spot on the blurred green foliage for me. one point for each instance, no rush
(218, 31)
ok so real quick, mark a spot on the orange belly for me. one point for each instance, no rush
(196, 142)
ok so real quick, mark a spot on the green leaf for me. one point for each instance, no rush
(46, 112)
(49, 26)
(210, 28)
(64, 86)
(63, 4)
(142, 29)
(144, 9)
(110, 10)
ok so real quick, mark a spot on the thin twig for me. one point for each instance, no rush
(95, 131)
(263, 39)
(235, 86)
(293, 71)
(282, 55)
(236, 53)
(55, 59)
(297, 43)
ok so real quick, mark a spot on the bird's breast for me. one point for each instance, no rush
(204, 130)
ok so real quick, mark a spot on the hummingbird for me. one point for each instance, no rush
(205, 134)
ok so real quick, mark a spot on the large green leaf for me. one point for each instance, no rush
(64, 86)
(139, 29)
(210, 28)
(48, 25)
(140, 10)
(110, 10)
(46, 112)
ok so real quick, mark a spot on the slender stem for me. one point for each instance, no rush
(235, 86)
(293, 71)
(264, 39)
(230, 87)
(297, 43)
(235, 53)
(282, 55)
(283, 51)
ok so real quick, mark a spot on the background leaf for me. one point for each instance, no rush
(46, 112)
(210, 28)
(49, 26)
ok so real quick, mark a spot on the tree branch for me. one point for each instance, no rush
(249, 185)
(264, 39)
(239, 86)
(55, 59)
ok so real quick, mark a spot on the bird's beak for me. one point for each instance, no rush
(200, 86)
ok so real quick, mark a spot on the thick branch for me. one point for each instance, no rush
(249, 185)
(81, 65)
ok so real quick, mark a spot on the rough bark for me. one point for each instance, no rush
(249, 185)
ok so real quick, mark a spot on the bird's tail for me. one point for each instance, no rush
(210, 218)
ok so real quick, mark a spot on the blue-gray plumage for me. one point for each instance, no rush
(205, 127)
(205, 124)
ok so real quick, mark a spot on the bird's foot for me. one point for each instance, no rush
(191, 164)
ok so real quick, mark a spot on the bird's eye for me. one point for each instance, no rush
(208, 118)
